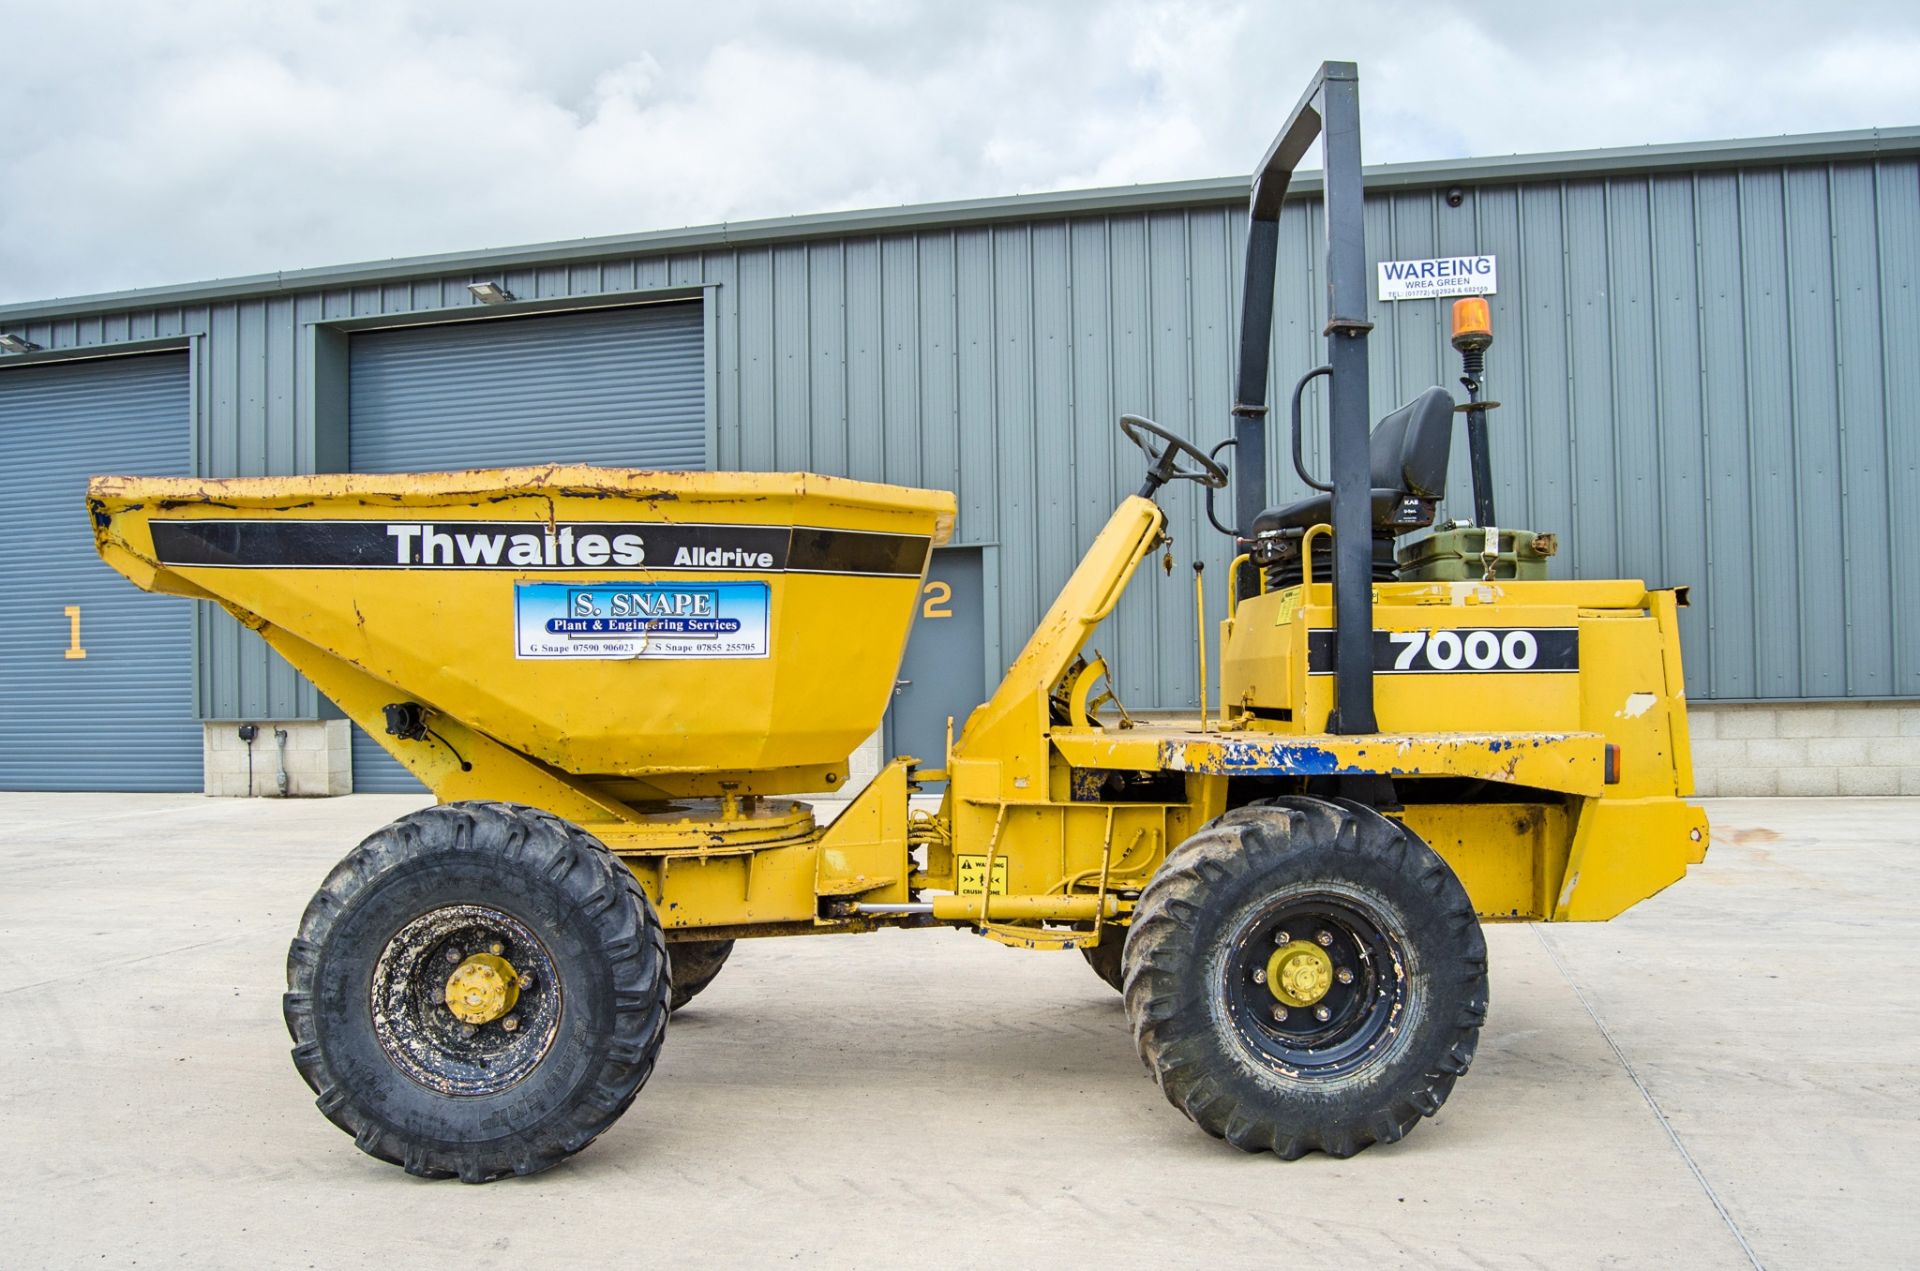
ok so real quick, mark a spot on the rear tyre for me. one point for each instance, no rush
(694, 963)
(1303, 975)
(1104, 957)
(555, 941)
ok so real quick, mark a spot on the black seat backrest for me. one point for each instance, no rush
(1407, 460)
(1409, 449)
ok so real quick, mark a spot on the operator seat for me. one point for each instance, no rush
(1407, 458)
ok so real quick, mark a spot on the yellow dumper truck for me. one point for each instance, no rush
(615, 682)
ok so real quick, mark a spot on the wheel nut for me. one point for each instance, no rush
(1322, 1014)
(496, 948)
(510, 1023)
(1259, 975)
(1279, 1014)
(1281, 937)
(1325, 939)
(469, 1030)
(1343, 975)
(453, 955)
(526, 981)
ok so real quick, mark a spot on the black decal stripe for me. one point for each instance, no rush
(822, 551)
(463, 545)
(1557, 651)
(247, 544)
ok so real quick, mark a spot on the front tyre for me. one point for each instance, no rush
(478, 989)
(1304, 974)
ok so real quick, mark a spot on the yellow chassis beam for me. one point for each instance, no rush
(1570, 763)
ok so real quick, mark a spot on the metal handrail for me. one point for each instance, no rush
(1233, 584)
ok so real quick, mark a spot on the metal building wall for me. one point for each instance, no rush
(1709, 377)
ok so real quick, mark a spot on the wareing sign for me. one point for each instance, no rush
(1447, 276)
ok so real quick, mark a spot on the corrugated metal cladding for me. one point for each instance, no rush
(621, 387)
(120, 717)
(1709, 378)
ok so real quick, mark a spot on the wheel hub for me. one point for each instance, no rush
(466, 1000)
(1314, 982)
(482, 988)
(1299, 973)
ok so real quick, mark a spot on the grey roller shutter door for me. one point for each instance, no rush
(122, 717)
(621, 387)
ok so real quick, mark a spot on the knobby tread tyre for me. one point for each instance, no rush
(693, 964)
(590, 918)
(1105, 957)
(1181, 951)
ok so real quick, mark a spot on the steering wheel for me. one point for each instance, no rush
(1162, 462)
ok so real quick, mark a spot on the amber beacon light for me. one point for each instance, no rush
(1472, 323)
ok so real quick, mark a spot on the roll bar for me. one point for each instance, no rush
(1328, 111)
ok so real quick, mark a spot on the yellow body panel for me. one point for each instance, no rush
(1623, 639)
(1626, 690)
(1611, 840)
(1511, 857)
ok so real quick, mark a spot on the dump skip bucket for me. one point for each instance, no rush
(602, 620)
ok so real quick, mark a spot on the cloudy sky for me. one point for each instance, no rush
(145, 143)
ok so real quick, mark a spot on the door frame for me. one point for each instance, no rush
(993, 669)
(192, 343)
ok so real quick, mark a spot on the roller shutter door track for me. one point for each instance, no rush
(122, 717)
(621, 387)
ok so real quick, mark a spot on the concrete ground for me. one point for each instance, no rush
(1729, 1075)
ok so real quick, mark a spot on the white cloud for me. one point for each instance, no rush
(148, 143)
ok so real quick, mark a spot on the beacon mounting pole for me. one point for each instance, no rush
(1473, 336)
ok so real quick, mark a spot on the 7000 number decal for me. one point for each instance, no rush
(1481, 651)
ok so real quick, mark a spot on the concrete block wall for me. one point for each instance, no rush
(864, 764)
(1854, 748)
(319, 759)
